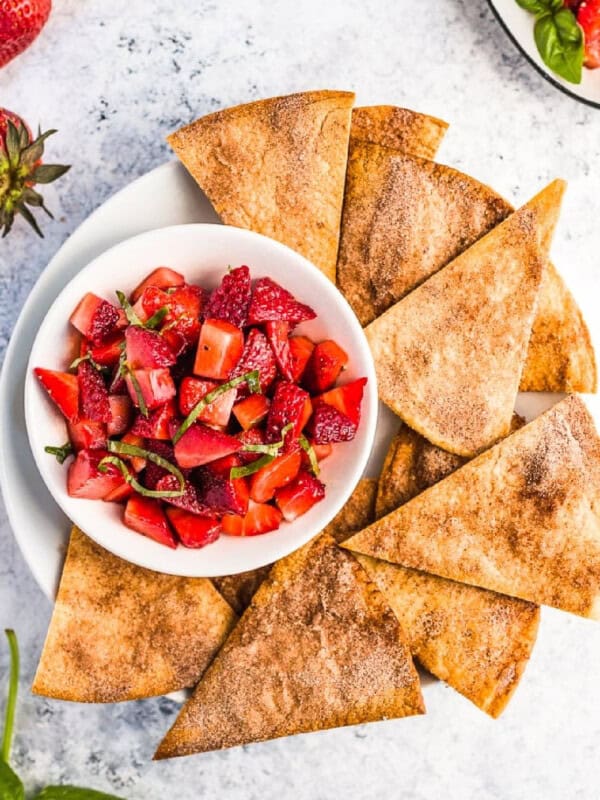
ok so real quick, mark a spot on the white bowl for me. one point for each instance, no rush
(202, 253)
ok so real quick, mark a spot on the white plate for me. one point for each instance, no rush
(518, 24)
(201, 253)
(165, 196)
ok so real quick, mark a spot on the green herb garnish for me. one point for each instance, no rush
(132, 317)
(157, 318)
(121, 448)
(250, 469)
(126, 370)
(312, 456)
(270, 451)
(60, 453)
(558, 37)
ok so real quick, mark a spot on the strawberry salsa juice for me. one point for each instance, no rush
(201, 413)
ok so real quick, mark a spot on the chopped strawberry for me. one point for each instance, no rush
(63, 389)
(588, 16)
(193, 390)
(277, 334)
(193, 531)
(252, 436)
(154, 472)
(260, 518)
(299, 496)
(161, 278)
(151, 300)
(327, 424)
(121, 412)
(219, 349)
(200, 445)
(181, 327)
(287, 406)
(147, 349)
(188, 501)
(230, 301)
(157, 424)
(155, 385)
(347, 399)
(86, 434)
(120, 494)
(93, 394)
(324, 367)
(117, 383)
(251, 411)
(307, 411)
(257, 355)
(137, 462)
(218, 491)
(146, 516)
(108, 353)
(279, 472)
(84, 479)
(301, 349)
(270, 301)
(95, 318)
(322, 451)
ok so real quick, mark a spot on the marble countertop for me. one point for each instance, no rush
(115, 78)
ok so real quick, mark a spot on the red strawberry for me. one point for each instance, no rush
(161, 278)
(137, 462)
(323, 369)
(588, 16)
(230, 301)
(260, 518)
(299, 496)
(259, 355)
(147, 349)
(327, 424)
(200, 445)
(93, 394)
(155, 385)
(95, 318)
(120, 494)
(287, 406)
(157, 424)
(146, 516)
(347, 399)
(182, 323)
(279, 472)
(85, 434)
(154, 472)
(251, 411)
(108, 353)
(252, 436)
(270, 301)
(218, 491)
(301, 349)
(219, 349)
(84, 479)
(63, 389)
(20, 24)
(193, 390)
(121, 411)
(193, 531)
(189, 501)
(21, 166)
(277, 334)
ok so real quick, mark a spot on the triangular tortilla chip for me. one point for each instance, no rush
(277, 167)
(239, 589)
(521, 519)
(318, 648)
(404, 218)
(120, 632)
(404, 130)
(449, 356)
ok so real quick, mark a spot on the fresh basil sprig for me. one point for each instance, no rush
(558, 37)
(11, 786)
(60, 453)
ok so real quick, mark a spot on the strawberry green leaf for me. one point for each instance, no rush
(26, 213)
(47, 173)
(12, 143)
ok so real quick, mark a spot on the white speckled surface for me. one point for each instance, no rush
(115, 78)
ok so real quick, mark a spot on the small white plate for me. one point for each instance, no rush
(518, 24)
(202, 253)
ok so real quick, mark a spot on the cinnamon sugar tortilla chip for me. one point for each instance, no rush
(318, 648)
(521, 519)
(277, 167)
(120, 632)
(449, 356)
(392, 126)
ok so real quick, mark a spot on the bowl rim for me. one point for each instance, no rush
(119, 548)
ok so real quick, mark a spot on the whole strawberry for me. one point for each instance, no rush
(20, 23)
(21, 168)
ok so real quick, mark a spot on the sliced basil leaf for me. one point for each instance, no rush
(132, 317)
(559, 40)
(157, 318)
(251, 378)
(540, 6)
(124, 449)
(125, 370)
(250, 469)
(60, 453)
(132, 480)
(312, 456)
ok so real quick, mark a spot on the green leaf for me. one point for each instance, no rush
(47, 173)
(11, 702)
(11, 787)
(60, 453)
(35, 151)
(124, 368)
(312, 456)
(73, 793)
(132, 480)
(251, 378)
(250, 469)
(538, 7)
(26, 213)
(124, 449)
(132, 317)
(157, 318)
(559, 40)
(12, 143)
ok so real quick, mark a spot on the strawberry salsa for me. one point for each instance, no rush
(203, 413)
